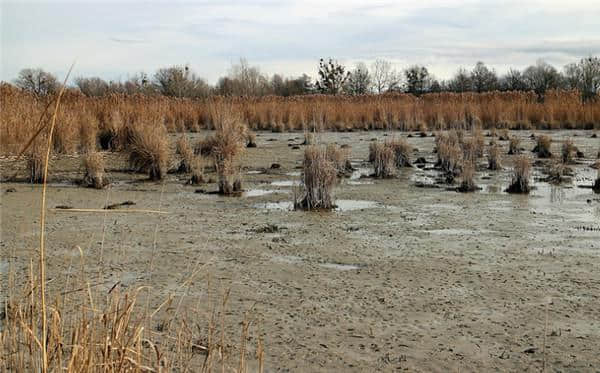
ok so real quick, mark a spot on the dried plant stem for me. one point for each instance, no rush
(42, 263)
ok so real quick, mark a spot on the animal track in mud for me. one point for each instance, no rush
(588, 228)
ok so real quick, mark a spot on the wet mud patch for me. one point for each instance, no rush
(341, 205)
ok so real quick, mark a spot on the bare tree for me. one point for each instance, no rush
(92, 87)
(247, 80)
(359, 81)
(483, 79)
(384, 77)
(541, 77)
(37, 81)
(332, 77)
(584, 76)
(461, 81)
(513, 81)
(417, 79)
(179, 81)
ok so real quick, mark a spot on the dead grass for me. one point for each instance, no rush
(542, 147)
(94, 175)
(184, 149)
(251, 140)
(494, 157)
(478, 142)
(514, 145)
(35, 161)
(467, 176)
(88, 133)
(402, 150)
(558, 173)
(149, 151)
(319, 176)
(228, 147)
(568, 151)
(520, 175)
(383, 159)
(340, 159)
(83, 329)
(450, 154)
(309, 138)
(197, 171)
(205, 146)
(115, 115)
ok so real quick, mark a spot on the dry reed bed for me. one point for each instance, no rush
(109, 121)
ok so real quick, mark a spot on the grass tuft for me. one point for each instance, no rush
(568, 151)
(542, 147)
(467, 176)
(494, 157)
(149, 151)
(93, 165)
(319, 176)
(520, 176)
(228, 146)
(513, 146)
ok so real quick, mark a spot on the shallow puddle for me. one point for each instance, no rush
(257, 192)
(356, 182)
(342, 205)
(360, 172)
(285, 183)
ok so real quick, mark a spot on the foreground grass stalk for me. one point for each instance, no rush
(42, 253)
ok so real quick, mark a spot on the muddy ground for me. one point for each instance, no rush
(399, 278)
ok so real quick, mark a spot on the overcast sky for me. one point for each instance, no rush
(114, 40)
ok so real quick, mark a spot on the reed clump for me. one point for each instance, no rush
(197, 171)
(401, 149)
(383, 159)
(251, 140)
(149, 151)
(205, 146)
(340, 158)
(542, 147)
(596, 186)
(35, 156)
(228, 146)
(319, 176)
(185, 151)
(558, 173)
(514, 146)
(467, 176)
(450, 155)
(568, 151)
(494, 157)
(478, 142)
(94, 174)
(520, 176)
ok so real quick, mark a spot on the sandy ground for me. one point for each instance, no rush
(401, 278)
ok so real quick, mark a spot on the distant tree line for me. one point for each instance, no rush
(333, 78)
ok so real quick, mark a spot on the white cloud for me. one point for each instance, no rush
(114, 39)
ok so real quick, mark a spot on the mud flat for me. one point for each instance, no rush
(398, 277)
